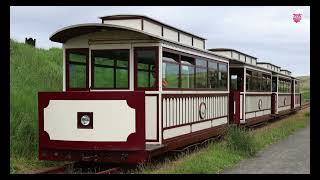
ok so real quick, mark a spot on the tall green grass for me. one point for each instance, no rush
(241, 140)
(31, 70)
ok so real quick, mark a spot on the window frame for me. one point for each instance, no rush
(195, 57)
(178, 63)
(114, 71)
(201, 67)
(259, 81)
(67, 63)
(135, 68)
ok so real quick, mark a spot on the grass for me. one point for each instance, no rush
(236, 146)
(31, 70)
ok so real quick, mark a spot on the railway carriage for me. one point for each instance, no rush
(134, 88)
(250, 88)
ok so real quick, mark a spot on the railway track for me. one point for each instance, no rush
(102, 168)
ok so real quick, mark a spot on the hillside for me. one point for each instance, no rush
(31, 70)
(305, 87)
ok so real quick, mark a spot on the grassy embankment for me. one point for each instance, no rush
(31, 70)
(238, 145)
(305, 87)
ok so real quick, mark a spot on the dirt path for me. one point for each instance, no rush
(289, 156)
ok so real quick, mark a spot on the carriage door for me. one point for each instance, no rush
(274, 103)
(234, 106)
(234, 99)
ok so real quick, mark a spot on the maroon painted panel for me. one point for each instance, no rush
(234, 97)
(273, 103)
(135, 141)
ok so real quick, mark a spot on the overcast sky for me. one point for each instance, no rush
(268, 33)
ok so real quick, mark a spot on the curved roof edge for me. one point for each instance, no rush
(66, 33)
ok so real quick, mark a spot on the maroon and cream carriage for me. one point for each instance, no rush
(133, 88)
(259, 91)
(250, 88)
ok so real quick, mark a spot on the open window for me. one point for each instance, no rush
(77, 69)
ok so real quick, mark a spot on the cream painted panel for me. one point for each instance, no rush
(198, 43)
(283, 108)
(259, 113)
(113, 120)
(223, 53)
(151, 117)
(253, 101)
(110, 35)
(171, 112)
(281, 100)
(151, 28)
(263, 65)
(169, 133)
(250, 115)
(201, 126)
(254, 61)
(267, 111)
(242, 58)
(164, 117)
(235, 55)
(248, 60)
(132, 23)
(170, 34)
(185, 39)
(219, 121)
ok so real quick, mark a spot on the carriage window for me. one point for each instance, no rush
(255, 81)
(110, 68)
(297, 88)
(77, 67)
(213, 75)
(170, 70)
(146, 67)
(268, 83)
(248, 80)
(223, 76)
(187, 72)
(201, 74)
(274, 84)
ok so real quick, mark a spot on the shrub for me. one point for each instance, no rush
(240, 139)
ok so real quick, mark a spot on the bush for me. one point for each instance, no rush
(240, 139)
